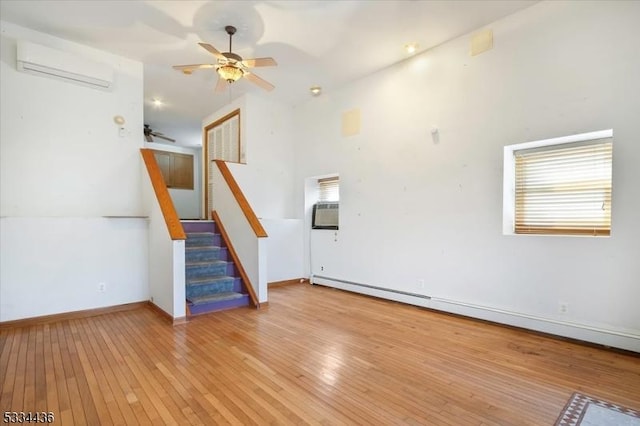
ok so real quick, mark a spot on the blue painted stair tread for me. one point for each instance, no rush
(215, 298)
(202, 239)
(202, 253)
(212, 283)
(209, 285)
(214, 268)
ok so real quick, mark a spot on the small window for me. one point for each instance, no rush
(563, 188)
(329, 189)
(326, 210)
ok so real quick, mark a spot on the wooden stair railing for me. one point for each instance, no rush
(236, 260)
(162, 195)
(241, 199)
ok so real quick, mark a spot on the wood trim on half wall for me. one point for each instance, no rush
(242, 201)
(171, 218)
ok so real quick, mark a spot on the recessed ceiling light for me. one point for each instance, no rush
(157, 102)
(315, 90)
(411, 48)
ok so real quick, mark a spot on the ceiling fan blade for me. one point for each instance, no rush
(259, 81)
(148, 137)
(163, 137)
(209, 48)
(222, 85)
(259, 62)
(193, 67)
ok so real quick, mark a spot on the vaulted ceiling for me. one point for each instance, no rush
(323, 43)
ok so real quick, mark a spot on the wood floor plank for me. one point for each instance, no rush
(40, 372)
(165, 365)
(65, 415)
(51, 389)
(84, 410)
(8, 361)
(29, 399)
(20, 374)
(135, 393)
(92, 363)
(315, 356)
(122, 411)
(97, 393)
(150, 388)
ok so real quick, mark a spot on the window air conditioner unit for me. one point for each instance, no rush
(40, 60)
(325, 215)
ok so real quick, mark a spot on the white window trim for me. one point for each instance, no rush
(509, 174)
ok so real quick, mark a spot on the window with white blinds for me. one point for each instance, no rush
(329, 189)
(564, 189)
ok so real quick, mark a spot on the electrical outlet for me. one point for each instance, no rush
(322, 268)
(420, 283)
(102, 287)
(563, 307)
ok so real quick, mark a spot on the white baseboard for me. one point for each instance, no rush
(612, 338)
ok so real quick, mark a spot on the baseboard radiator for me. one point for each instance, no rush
(373, 287)
(607, 337)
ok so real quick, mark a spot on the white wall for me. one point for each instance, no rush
(266, 129)
(51, 265)
(285, 250)
(414, 208)
(266, 180)
(63, 167)
(59, 141)
(166, 260)
(251, 250)
(186, 201)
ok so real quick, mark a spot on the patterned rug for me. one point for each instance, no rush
(584, 410)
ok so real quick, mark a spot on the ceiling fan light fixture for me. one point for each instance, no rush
(230, 73)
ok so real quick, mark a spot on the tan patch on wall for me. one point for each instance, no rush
(351, 122)
(481, 42)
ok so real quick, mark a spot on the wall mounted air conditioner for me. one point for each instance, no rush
(325, 215)
(44, 61)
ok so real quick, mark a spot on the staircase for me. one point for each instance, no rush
(212, 281)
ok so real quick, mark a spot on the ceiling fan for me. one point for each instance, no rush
(230, 66)
(149, 134)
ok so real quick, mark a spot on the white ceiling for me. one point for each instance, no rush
(325, 43)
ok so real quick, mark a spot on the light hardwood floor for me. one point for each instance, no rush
(314, 356)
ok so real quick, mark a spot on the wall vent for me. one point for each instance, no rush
(43, 61)
(351, 122)
(481, 42)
